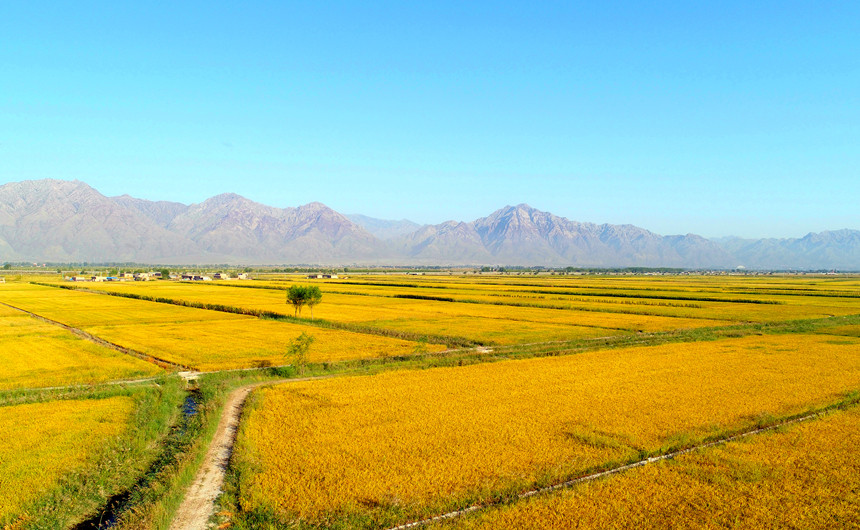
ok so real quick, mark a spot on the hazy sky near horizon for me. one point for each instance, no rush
(721, 118)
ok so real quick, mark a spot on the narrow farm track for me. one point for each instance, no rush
(199, 503)
(102, 342)
(613, 471)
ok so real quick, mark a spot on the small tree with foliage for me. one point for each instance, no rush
(297, 297)
(298, 351)
(314, 296)
(301, 295)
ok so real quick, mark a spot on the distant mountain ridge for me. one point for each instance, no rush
(522, 235)
(384, 228)
(54, 220)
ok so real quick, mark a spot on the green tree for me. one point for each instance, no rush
(303, 295)
(297, 297)
(314, 296)
(7, 266)
(165, 274)
(298, 351)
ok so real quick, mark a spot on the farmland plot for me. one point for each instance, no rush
(35, 354)
(197, 338)
(379, 450)
(802, 476)
(45, 442)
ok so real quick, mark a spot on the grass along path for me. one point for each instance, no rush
(198, 506)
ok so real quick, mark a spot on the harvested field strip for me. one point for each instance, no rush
(405, 445)
(802, 475)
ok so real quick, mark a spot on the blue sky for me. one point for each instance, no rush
(713, 118)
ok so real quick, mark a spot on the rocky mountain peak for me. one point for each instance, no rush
(56, 220)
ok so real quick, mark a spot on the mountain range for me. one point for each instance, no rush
(69, 221)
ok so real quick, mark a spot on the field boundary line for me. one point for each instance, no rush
(271, 315)
(616, 470)
(102, 342)
(85, 385)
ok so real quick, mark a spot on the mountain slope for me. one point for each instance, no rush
(56, 220)
(161, 212)
(384, 228)
(242, 230)
(522, 235)
(836, 249)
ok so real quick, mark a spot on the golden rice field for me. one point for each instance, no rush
(374, 451)
(197, 338)
(803, 476)
(398, 445)
(504, 311)
(36, 354)
(44, 442)
(850, 331)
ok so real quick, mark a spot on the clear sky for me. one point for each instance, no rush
(716, 118)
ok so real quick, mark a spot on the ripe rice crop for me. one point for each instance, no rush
(686, 302)
(383, 449)
(44, 442)
(36, 354)
(247, 342)
(478, 322)
(850, 331)
(198, 338)
(804, 476)
(80, 309)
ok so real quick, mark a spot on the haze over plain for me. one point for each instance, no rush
(731, 119)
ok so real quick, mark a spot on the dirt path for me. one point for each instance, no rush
(199, 503)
